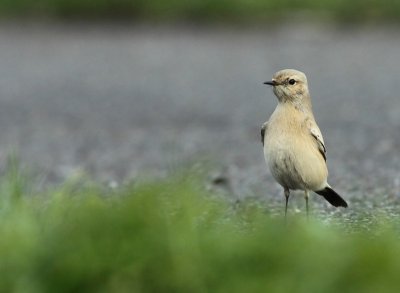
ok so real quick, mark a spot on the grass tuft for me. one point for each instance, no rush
(205, 11)
(173, 235)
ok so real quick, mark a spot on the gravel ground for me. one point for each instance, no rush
(118, 102)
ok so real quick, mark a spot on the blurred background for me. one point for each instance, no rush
(124, 88)
(106, 103)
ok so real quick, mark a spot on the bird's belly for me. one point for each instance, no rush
(295, 168)
(283, 167)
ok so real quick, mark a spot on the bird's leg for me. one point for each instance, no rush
(306, 195)
(287, 193)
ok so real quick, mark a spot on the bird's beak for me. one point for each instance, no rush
(272, 82)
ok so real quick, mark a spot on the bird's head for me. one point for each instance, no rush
(289, 85)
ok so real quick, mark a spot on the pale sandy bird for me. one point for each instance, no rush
(294, 148)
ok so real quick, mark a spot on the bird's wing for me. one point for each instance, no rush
(317, 135)
(264, 128)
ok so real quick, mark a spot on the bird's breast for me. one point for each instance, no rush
(292, 157)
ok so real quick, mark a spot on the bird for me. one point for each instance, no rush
(294, 148)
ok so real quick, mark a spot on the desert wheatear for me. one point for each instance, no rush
(293, 145)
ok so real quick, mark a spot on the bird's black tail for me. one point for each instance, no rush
(332, 197)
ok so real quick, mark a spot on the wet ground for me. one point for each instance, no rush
(119, 102)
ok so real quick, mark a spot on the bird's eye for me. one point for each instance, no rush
(292, 81)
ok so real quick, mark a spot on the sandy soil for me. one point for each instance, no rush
(120, 102)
